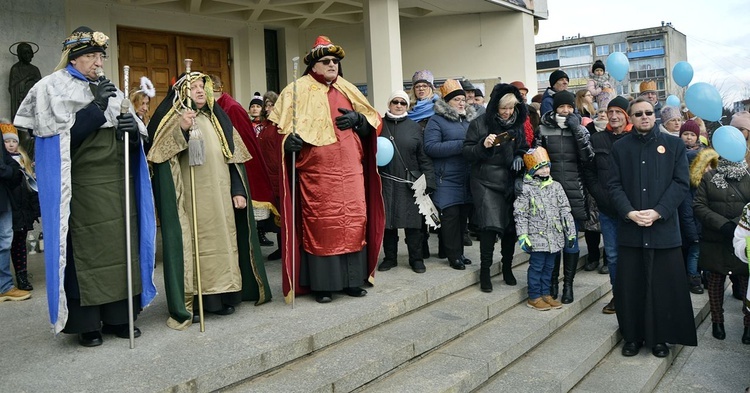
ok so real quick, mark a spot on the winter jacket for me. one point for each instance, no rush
(689, 226)
(648, 172)
(491, 176)
(547, 98)
(568, 152)
(542, 212)
(597, 171)
(409, 162)
(716, 207)
(443, 141)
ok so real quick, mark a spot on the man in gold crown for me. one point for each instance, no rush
(331, 130)
(648, 91)
(74, 114)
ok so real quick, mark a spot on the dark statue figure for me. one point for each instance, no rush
(23, 75)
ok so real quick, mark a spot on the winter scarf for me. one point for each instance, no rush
(601, 80)
(423, 109)
(728, 170)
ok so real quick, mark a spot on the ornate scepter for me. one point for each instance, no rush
(125, 108)
(196, 157)
(295, 62)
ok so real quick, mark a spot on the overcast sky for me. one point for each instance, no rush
(718, 35)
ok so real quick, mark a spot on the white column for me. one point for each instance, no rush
(382, 51)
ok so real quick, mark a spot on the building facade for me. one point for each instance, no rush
(652, 53)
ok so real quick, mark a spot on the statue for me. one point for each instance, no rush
(23, 75)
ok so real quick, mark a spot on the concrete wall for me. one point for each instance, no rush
(39, 21)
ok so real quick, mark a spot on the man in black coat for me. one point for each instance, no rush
(649, 179)
(10, 177)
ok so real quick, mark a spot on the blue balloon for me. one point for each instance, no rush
(682, 73)
(617, 65)
(729, 142)
(704, 101)
(673, 100)
(384, 154)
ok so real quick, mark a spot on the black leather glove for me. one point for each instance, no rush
(573, 122)
(517, 164)
(293, 143)
(429, 190)
(349, 119)
(104, 91)
(727, 230)
(126, 123)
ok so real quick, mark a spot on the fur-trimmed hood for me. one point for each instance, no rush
(500, 90)
(704, 159)
(443, 109)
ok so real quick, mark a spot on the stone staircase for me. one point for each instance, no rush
(447, 336)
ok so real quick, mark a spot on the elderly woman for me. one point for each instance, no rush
(141, 102)
(495, 143)
(408, 164)
(443, 141)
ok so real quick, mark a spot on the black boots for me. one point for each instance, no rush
(746, 335)
(22, 279)
(390, 249)
(263, 240)
(554, 287)
(717, 330)
(570, 264)
(485, 282)
(508, 276)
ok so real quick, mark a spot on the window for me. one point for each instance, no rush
(644, 45)
(602, 50)
(542, 79)
(546, 56)
(620, 47)
(574, 51)
(647, 64)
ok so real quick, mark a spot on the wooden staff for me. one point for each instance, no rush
(125, 108)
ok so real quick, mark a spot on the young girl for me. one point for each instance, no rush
(25, 204)
(544, 224)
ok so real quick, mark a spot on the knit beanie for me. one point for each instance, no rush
(741, 120)
(690, 126)
(597, 65)
(257, 99)
(9, 131)
(556, 76)
(619, 102)
(670, 112)
(563, 97)
(450, 89)
(399, 94)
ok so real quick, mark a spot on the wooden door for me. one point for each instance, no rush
(159, 56)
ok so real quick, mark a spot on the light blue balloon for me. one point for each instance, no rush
(682, 73)
(704, 101)
(617, 65)
(673, 100)
(729, 142)
(384, 154)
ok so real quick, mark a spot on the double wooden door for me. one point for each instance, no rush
(159, 56)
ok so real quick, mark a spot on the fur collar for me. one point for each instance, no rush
(443, 109)
(704, 159)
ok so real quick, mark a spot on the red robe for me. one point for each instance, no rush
(348, 217)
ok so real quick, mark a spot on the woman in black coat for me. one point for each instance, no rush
(408, 164)
(495, 143)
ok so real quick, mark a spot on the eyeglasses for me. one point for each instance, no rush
(421, 87)
(95, 56)
(397, 102)
(329, 61)
(647, 113)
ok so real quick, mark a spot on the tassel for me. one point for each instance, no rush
(196, 149)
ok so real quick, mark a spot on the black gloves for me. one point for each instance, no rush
(104, 91)
(349, 119)
(429, 190)
(573, 122)
(517, 164)
(126, 123)
(727, 230)
(293, 143)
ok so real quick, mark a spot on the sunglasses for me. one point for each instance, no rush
(647, 113)
(397, 102)
(329, 61)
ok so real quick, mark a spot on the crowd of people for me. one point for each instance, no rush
(303, 164)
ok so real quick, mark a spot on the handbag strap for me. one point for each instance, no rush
(737, 190)
(395, 147)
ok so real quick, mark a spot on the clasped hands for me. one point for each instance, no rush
(644, 218)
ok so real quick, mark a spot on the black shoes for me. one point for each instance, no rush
(717, 329)
(631, 349)
(227, 310)
(122, 331)
(418, 266)
(90, 339)
(457, 264)
(508, 276)
(610, 307)
(263, 240)
(466, 261)
(467, 240)
(355, 291)
(274, 256)
(386, 265)
(591, 265)
(22, 279)
(746, 335)
(323, 297)
(660, 350)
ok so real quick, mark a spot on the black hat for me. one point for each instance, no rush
(466, 85)
(478, 92)
(84, 40)
(563, 97)
(556, 76)
(619, 102)
(257, 99)
(598, 65)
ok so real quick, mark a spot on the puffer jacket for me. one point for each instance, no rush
(567, 155)
(542, 212)
(443, 141)
(716, 207)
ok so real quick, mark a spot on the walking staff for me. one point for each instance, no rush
(125, 108)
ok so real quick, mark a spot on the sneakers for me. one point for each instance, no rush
(14, 294)
(609, 308)
(538, 304)
(552, 302)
